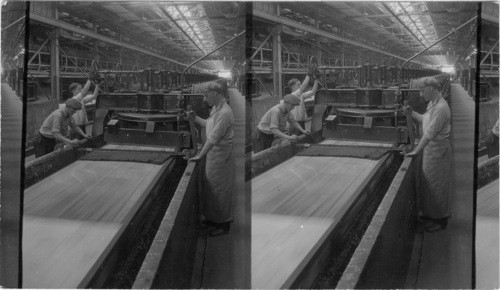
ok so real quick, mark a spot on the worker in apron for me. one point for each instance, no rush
(216, 199)
(433, 152)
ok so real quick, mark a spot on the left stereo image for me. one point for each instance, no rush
(133, 145)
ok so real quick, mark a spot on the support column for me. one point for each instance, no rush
(277, 65)
(96, 46)
(319, 52)
(55, 70)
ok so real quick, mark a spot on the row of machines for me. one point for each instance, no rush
(314, 222)
(369, 75)
(124, 209)
(467, 78)
(149, 107)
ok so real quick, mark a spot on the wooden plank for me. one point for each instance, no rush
(356, 143)
(57, 253)
(82, 210)
(295, 206)
(139, 148)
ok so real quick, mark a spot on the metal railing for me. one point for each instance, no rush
(264, 59)
(41, 63)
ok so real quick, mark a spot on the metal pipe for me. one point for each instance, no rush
(68, 57)
(307, 70)
(263, 42)
(466, 45)
(36, 83)
(489, 52)
(3, 29)
(438, 41)
(208, 54)
(38, 51)
(261, 83)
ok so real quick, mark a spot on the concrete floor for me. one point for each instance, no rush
(444, 259)
(225, 260)
(11, 198)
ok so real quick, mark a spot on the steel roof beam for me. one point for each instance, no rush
(178, 26)
(65, 26)
(294, 24)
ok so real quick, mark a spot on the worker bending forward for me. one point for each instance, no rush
(55, 126)
(219, 171)
(433, 180)
(80, 94)
(273, 123)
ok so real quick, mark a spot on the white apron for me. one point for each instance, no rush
(434, 187)
(219, 173)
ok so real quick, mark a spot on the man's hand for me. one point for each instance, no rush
(88, 136)
(195, 159)
(293, 138)
(407, 108)
(73, 142)
(306, 132)
(411, 154)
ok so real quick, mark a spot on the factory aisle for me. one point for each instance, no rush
(227, 257)
(11, 138)
(445, 257)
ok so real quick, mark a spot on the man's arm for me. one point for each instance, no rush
(416, 116)
(312, 92)
(297, 126)
(278, 133)
(86, 88)
(63, 139)
(200, 121)
(88, 99)
(79, 131)
(304, 84)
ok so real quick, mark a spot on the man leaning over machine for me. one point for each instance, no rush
(55, 127)
(273, 123)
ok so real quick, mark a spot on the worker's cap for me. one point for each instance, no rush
(427, 82)
(215, 87)
(292, 100)
(72, 103)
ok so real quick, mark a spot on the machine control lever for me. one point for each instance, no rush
(411, 132)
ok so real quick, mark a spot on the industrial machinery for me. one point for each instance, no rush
(126, 192)
(312, 203)
(155, 114)
(122, 210)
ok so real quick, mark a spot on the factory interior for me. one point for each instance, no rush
(185, 144)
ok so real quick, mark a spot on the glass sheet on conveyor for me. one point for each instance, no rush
(365, 152)
(151, 157)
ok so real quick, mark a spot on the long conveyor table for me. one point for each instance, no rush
(297, 204)
(73, 218)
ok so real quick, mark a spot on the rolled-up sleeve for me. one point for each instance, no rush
(436, 124)
(219, 130)
(274, 122)
(56, 124)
